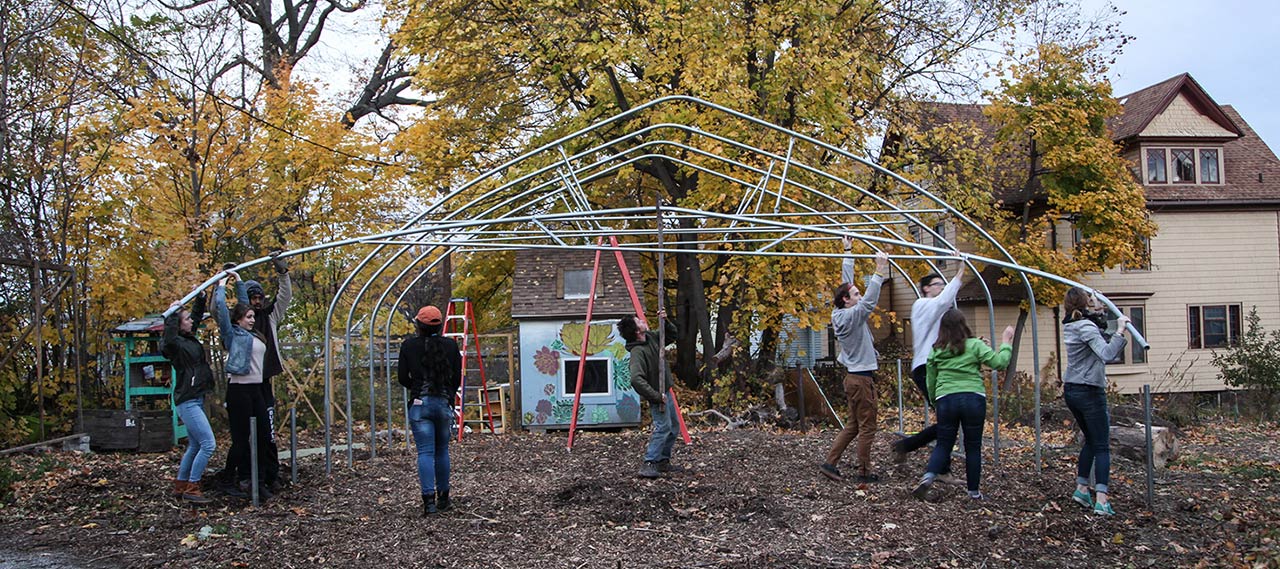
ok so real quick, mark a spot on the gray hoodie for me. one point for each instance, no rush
(1088, 353)
(857, 347)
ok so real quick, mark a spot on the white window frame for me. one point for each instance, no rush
(564, 371)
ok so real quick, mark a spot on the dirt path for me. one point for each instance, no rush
(753, 499)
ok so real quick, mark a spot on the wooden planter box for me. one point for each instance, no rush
(114, 429)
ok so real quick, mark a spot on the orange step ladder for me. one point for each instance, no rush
(460, 324)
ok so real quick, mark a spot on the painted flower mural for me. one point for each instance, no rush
(547, 361)
(599, 340)
(628, 409)
(599, 414)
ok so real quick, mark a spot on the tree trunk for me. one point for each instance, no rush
(1010, 372)
(1131, 443)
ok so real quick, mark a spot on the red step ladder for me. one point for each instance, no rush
(460, 324)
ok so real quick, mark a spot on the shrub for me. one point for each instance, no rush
(1253, 363)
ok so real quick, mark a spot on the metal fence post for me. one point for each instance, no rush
(902, 425)
(253, 458)
(293, 444)
(800, 398)
(1146, 408)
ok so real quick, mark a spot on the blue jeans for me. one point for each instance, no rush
(1088, 403)
(957, 411)
(663, 438)
(200, 442)
(431, 423)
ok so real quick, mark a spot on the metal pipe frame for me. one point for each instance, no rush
(546, 195)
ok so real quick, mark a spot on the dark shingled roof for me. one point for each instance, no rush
(535, 289)
(1143, 105)
(1250, 170)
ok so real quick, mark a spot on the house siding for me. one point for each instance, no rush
(1197, 259)
(1181, 118)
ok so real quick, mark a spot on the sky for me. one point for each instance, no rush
(1230, 47)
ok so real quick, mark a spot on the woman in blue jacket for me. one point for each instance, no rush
(246, 352)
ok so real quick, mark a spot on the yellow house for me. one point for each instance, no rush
(1213, 188)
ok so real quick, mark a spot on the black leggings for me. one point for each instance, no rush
(244, 401)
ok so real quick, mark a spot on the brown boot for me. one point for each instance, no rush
(194, 495)
(179, 487)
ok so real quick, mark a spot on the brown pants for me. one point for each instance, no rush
(860, 395)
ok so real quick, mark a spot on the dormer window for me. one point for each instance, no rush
(1183, 166)
(1155, 166)
(1209, 165)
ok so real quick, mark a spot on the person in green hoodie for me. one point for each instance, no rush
(954, 377)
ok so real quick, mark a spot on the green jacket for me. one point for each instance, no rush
(644, 366)
(948, 372)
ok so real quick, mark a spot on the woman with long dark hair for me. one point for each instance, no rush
(246, 351)
(194, 380)
(953, 375)
(1084, 387)
(431, 370)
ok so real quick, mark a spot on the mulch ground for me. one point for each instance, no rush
(752, 498)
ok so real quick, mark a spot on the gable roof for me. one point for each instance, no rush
(1144, 105)
(536, 285)
(1250, 170)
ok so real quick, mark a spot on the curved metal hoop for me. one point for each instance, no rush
(537, 200)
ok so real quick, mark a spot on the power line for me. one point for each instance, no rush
(159, 64)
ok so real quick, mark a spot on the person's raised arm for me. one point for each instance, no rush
(172, 325)
(284, 287)
(949, 292)
(1107, 350)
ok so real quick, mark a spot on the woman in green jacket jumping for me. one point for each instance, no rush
(954, 377)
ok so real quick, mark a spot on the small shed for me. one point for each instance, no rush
(549, 301)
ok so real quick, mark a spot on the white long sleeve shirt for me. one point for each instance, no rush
(926, 313)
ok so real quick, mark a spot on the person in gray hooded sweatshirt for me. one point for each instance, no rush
(1084, 387)
(859, 357)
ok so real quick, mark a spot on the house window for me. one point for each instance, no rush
(1144, 261)
(1213, 326)
(1133, 353)
(1209, 166)
(1184, 165)
(577, 284)
(1155, 166)
(940, 242)
(595, 381)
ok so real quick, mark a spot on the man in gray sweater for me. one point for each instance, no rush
(859, 357)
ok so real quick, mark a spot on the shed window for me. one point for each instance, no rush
(577, 284)
(594, 382)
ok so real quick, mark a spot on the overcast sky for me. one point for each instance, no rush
(1231, 47)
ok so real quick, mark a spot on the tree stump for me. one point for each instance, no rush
(1131, 443)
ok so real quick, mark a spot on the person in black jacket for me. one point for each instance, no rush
(431, 370)
(194, 380)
